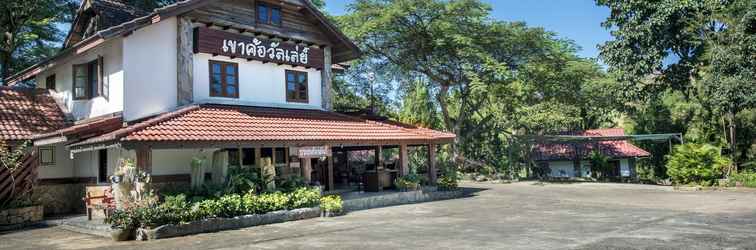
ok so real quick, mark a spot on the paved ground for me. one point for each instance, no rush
(498, 216)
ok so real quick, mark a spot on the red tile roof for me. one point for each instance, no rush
(565, 151)
(86, 128)
(25, 112)
(224, 123)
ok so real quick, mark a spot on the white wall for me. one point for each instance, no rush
(562, 169)
(112, 54)
(259, 84)
(150, 59)
(178, 161)
(63, 167)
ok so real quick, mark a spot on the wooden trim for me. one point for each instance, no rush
(224, 83)
(67, 180)
(171, 178)
(297, 87)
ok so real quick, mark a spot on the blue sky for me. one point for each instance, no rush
(578, 20)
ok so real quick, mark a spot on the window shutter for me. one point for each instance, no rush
(102, 87)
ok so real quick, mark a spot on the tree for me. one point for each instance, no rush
(10, 161)
(690, 60)
(470, 60)
(696, 163)
(28, 31)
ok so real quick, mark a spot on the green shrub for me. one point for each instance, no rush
(447, 182)
(291, 183)
(304, 197)
(696, 164)
(748, 179)
(121, 219)
(410, 181)
(270, 202)
(332, 203)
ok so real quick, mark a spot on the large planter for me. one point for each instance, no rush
(122, 234)
(19, 217)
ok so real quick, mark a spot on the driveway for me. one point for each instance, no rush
(523, 215)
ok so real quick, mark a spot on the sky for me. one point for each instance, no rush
(577, 20)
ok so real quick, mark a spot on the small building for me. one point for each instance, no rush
(236, 82)
(572, 159)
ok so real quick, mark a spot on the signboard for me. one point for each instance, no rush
(218, 42)
(314, 151)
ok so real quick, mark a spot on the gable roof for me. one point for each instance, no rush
(214, 123)
(110, 12)
(25, 112)
(569, 151)
(155, 16)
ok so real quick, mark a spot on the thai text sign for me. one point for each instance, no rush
(314, 152)
(218, 42)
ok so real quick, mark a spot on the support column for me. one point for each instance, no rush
(306, 169)
(258, 160)
(241, 157)
(185, 63)
(326, 78)
(378, 157)
(144, 159)
(330, 173)
(432, 163)
(403, 160)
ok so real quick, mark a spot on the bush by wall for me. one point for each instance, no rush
(176, 209)
(696, 164)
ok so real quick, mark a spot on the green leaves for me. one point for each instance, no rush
(696, 164)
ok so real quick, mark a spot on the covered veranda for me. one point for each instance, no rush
(313, 144)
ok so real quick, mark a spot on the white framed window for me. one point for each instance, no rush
(46, 156)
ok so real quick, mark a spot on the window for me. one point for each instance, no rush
(224, 79)
(296, 86)
(280, 156)
(50, 82)
(88, 81)
(46, 156)
(268, 14)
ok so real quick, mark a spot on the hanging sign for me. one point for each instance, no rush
(314, 151)
(218, 42)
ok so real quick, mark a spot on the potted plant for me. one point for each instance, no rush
(122, 225)
(331, 206)
(409, 182)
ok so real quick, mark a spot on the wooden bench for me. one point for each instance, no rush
(99, 198)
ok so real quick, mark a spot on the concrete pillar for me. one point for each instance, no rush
(432, 175)
(403, 160)
(258, 161)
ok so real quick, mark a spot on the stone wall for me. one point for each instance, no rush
(19, 217)
(60, 198)
(399, 198)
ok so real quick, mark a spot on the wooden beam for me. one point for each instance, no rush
(378, 157)
(185, 62)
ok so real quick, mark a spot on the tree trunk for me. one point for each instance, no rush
(733, 147)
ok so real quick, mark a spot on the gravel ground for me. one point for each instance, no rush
(523, 215)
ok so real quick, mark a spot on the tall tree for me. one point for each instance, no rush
(28, 31)
(692, 58)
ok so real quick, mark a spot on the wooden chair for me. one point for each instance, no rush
(104, 202)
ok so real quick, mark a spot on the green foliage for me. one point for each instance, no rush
(10, 160)
(691, 61)
(177, 209)
(410, 181)
(696, 164)
(599, 163)
(242, 180)
(332, 203)
(291, 183)
(28, 31)
(121, 220)
(747, 179)
(447, 182)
